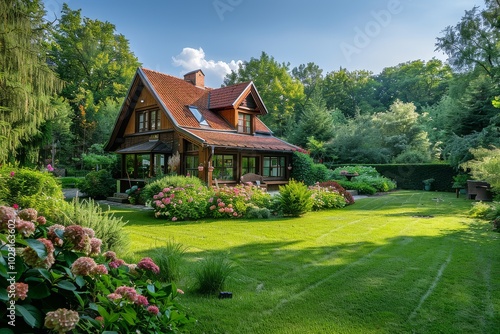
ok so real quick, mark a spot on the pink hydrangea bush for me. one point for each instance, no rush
(180, 203)
(66, 284)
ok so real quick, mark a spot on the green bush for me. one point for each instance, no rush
(64, 284)
(254, 212)
(87, 213)
(169, 181)
(484, 210)
(212, 274)
(380, 183)
(320, 173)
(361, 187)
(29, 188)
(295, 199)
(169, 258)
(302, 168)
(98, 184)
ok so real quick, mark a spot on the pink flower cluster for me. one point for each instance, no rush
(31, 258)
(25, 220)
(80, 241)
(86, 266)
(61, 320)
(20, 290)
(51, 234)
(148, 264)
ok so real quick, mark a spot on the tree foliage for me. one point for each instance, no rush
(26, 81)
(97, 65)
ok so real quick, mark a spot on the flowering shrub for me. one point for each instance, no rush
(338, 188)
(181, 203)
(233, 202)
(326, 198)
(59, 280)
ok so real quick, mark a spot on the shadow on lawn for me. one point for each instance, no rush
(382, 285)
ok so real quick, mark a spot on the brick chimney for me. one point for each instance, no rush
(196, 77)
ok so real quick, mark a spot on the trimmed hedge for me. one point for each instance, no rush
(410, 176)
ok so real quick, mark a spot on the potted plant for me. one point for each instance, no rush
(427, 184)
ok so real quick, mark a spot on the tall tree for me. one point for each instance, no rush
(475, 41)
(315, 121)
(281, 93)
(310, 75)
(96, 64)
(26, 81)
(419, 82)
(351, 92)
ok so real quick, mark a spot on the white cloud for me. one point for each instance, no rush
(192, 59)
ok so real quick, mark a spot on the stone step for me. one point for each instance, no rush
(353, 192)
(120, 195)
(117, 199)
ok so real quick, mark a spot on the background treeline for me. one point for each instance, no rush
(62, 84)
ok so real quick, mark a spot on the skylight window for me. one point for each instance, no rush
(199, 117)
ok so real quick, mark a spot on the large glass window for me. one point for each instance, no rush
(159, 164)
(143, 164)
(249, 165)
(223, 167)
(274, 166)
(244, 123)
(192, 165)
(148, 120)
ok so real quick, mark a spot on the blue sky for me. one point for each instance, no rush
(175, 37)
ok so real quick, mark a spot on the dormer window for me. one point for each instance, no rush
(244, 123)
(197, 114)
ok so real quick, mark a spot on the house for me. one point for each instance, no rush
(217, 133)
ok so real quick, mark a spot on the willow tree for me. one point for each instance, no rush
(26, 81)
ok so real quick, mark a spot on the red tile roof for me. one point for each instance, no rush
(238, 140)
(177, 94)
(226, 96)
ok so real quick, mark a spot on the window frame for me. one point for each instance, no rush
(244, 123)
(148, 120)
(275, 167)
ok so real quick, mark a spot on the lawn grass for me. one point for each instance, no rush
(405, 262)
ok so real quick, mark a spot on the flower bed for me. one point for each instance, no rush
(57, 279)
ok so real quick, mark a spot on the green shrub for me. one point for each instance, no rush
(338, 172)
(484, 210)
(361, 187)
(169, 181)
(378, 182)
(254, 212)
(98, 184)
(87, 213)
(320, 173)
(65, 284)
(302, 168)
(70, 181)
(169, 259)
(212, 273)
(295, 199)
(29, 188)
